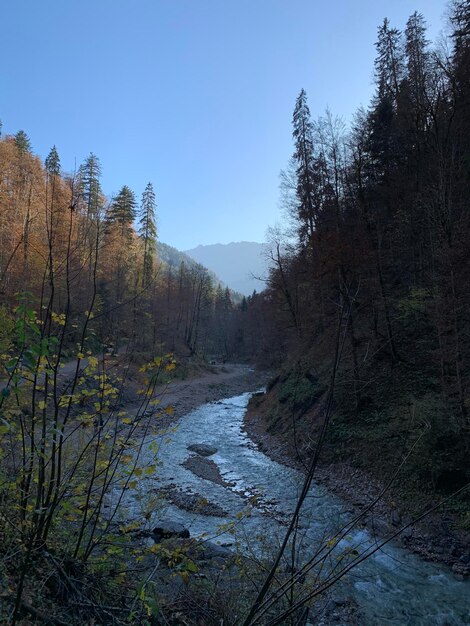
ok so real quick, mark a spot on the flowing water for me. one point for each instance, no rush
(392, 587)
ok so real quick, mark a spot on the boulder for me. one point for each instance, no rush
(211, 550)
(166, 529)
(203, 449)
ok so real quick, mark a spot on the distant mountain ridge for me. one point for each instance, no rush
(238, 264)
(174, 257)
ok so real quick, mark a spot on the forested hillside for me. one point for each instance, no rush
(93, 327)
(372, 278)
(76, 258)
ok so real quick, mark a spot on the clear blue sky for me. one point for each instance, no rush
(193, 95)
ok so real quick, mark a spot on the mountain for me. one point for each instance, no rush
(174, 257)
(239, 265)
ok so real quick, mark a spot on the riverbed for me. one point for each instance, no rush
(257, 494)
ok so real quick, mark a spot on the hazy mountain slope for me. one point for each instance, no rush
(173, 256)
(235, 263)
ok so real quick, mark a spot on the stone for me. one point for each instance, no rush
(211, 550)
(167, 528)
(203, 449)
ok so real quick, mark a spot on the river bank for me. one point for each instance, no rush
(434, 538)
(220, 381)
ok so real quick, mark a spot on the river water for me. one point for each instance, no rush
(392, 587)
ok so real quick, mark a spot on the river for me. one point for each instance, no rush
(393, 587)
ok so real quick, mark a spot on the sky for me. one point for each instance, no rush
(195, 96)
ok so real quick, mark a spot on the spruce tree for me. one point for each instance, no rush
(389, 63)
(90, 186)
(123, 208)
(148, 231)
(306, 171)
(417, 77)
(52, 162)
(22, 142)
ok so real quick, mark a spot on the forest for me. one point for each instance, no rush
(362, 332)
(377, 251)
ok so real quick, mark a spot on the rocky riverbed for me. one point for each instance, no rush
(209, 457)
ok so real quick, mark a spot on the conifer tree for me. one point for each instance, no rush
(416, 50)
(52, 162)
(90, 173)
(22, 142)
(306, 174)
(123, 208)
(148, 231)
(389, 61)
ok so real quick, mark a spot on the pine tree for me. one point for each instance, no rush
(389, 64)
(22, 142)
(123, 208)
(416, 51)
(306, 174)
(90, 173)
(148, 231)
(52, 162)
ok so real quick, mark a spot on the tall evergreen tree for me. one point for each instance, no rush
(22, 142)
(123, 208)
(389, 61)
(416, 54)
(148, 231)
(306, 172)
(52, 162)
(90, 173)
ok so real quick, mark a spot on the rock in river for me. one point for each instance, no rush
(203, 449)
(167, 528)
